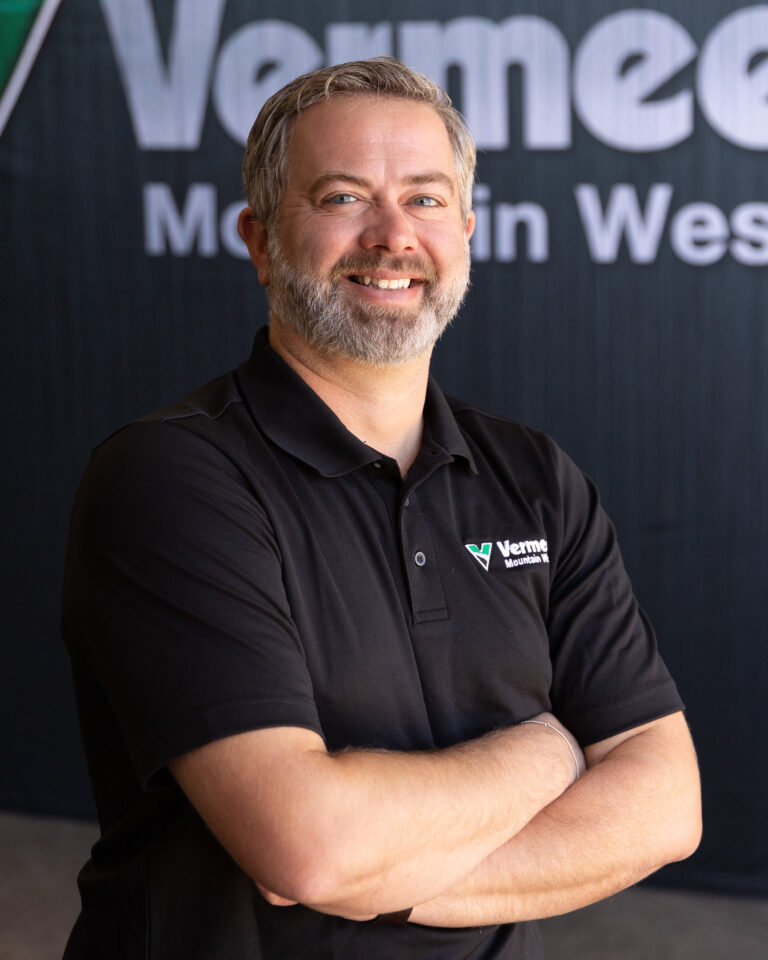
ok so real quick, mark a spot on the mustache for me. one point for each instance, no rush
(362, 265)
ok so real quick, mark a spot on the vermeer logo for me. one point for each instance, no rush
(23, 26)
(482, 553)
(515, 553)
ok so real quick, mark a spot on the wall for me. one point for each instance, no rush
(618, 301)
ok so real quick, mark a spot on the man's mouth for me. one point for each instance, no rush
(396, 283)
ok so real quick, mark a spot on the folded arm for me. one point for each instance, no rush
(637, 808)
(363, 831)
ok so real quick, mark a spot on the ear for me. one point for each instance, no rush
(469, 226)
(254, 235)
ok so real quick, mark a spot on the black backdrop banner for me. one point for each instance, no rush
(618, 301)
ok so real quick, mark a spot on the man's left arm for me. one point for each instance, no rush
(637, 808)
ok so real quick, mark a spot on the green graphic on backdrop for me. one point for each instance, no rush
(23, 26)
(16, 20)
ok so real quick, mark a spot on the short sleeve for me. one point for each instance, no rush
(608, 675)
(174, 598)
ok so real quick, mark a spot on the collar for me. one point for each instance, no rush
(294, 417)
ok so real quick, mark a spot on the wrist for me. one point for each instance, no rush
(576, 757)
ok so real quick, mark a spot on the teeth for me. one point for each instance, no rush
(401, 283)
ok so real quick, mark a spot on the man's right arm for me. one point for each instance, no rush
(363, 832)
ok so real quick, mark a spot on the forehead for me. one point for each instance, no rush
(369, 136)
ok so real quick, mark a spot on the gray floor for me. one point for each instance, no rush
(38, 903)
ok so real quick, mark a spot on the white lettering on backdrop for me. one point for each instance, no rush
(615, 87)
(619, 67)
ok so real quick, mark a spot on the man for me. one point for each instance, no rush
(303, 666)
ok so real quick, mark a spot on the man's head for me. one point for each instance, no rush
(359, 178)
(266, 154)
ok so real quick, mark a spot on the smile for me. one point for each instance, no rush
(400, 283)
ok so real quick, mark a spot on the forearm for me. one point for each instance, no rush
(411, 822)
(369, 831)
(630, 814)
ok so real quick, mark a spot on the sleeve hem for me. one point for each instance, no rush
(215, 723)
(624, 713)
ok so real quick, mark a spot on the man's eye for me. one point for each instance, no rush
(425, 202)
(342, 198)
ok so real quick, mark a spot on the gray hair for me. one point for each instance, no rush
(266, 153)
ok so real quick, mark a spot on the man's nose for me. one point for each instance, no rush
(388, 227)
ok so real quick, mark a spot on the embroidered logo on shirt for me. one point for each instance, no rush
(482, 553)
(515, 553)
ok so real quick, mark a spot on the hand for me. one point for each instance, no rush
(576, 751)
(273, 898)
(278, 901)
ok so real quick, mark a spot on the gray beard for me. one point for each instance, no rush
(376, 335)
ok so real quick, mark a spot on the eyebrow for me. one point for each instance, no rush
(416, 180)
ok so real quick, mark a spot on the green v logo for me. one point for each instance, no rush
(482, 553)
(23, 26)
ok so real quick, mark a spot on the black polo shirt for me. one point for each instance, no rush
(241, 560)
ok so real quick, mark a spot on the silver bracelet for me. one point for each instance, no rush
(546, 723)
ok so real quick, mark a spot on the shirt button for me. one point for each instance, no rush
(420, 559)
(406, 502)
(377, 464)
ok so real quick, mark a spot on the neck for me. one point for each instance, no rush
(382, 406)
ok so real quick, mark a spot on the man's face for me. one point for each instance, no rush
(370, 259)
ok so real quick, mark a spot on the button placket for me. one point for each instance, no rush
(424, 582)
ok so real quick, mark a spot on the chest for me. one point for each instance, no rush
(422, 606)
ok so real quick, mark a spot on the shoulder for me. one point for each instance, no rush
(214, 413)
(500, 442)
(169, 464)
(210, 428)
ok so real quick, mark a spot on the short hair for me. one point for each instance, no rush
(266, 152)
